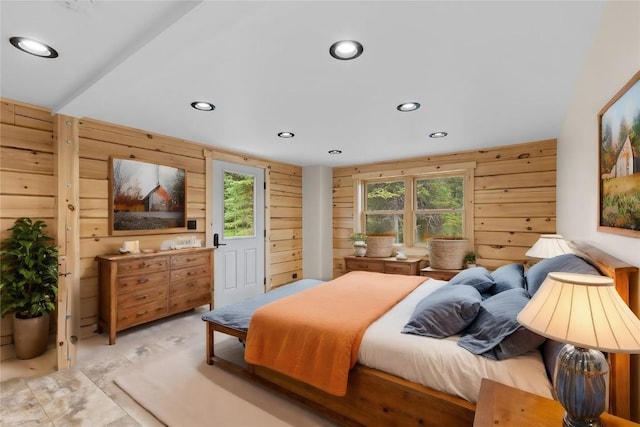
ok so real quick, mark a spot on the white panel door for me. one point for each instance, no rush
(238, 227)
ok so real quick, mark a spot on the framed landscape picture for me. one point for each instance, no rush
(146, 197)
(619, 162)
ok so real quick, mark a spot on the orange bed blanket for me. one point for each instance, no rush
(314, 336)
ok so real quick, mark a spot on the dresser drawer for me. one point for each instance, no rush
(145, 265)
(131, 283)
(186, 260)
(190, 300)
(141, 313)
(196, 284)
(398, 268)
(141, 296)
(374, 266)
(190, 273)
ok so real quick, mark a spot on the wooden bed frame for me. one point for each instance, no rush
(376, 398)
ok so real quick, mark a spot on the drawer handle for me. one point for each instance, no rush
(141, 281)
(191, 259)
(191, 273)
(142, 313)
(191, 284)
(144, 265)
(141, 297)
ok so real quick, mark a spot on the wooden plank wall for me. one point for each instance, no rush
(27, 182)
(29, 190)
(515, 199)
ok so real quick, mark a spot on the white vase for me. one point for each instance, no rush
(359, 250)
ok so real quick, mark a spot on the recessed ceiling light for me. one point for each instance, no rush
(33, 47)
(408, 106)
(286, 134)
(346, 49)
(335, 151)
(203, 106)
(438, 135)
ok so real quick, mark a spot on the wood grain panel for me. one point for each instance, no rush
(516, 195)
(20, 183)
(521, 224)
(26, 161)
(517, 180)
(508, 210)
(26, 139)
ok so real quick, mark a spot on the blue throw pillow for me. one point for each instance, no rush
(478, 277)
(510, 276)
(496, 333)
(567, 263)
(444, 312)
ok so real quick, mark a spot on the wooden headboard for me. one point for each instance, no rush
(625, 277)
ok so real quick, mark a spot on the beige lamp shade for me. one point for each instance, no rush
(548, 246)
(583, 310)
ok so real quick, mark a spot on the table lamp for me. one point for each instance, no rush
(586, 313)
(548, 246)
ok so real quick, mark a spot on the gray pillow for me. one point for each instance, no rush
(495, 333)
(510, 276)
(444, 312)
(478, 277)
(567, 263)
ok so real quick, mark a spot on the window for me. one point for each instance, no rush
(417, 204)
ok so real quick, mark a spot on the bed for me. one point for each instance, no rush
(380, 395)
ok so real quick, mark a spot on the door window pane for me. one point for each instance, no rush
(238, 205)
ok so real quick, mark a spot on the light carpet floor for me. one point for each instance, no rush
(180, 389)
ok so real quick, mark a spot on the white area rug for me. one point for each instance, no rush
(182, 390)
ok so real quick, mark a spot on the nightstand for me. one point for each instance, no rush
(410, 267)
(502, 406)
(438, 274)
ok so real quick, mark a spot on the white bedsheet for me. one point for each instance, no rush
(440, 363)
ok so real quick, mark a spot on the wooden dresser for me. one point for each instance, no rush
(135, 289)
(391, 265)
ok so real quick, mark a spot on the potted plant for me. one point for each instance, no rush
(29, 285)
(359, 244)
(470, 259)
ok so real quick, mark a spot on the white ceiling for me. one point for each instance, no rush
(489, 73)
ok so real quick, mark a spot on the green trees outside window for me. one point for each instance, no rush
(238, 205)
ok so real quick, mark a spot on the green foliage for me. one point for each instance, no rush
(238, 205)
(470, 257)
(440, 193)
(385, 196)
(29, 281)
(358, 237)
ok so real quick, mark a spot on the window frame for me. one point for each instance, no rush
(410, 176)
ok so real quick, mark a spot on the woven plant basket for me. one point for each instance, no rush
(379, 246)
(447, 254)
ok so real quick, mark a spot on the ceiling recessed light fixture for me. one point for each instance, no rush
(346, 49)
(33, 47)
(286, 134)
(203, 106)
(408, 106)
(438, 135)
(335, 151)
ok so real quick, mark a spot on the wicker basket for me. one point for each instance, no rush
(379, 246)
(447, 254)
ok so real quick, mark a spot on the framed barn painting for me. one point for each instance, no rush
(619, 162)
(146, 197)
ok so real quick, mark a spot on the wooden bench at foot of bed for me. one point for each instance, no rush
(374, 398)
